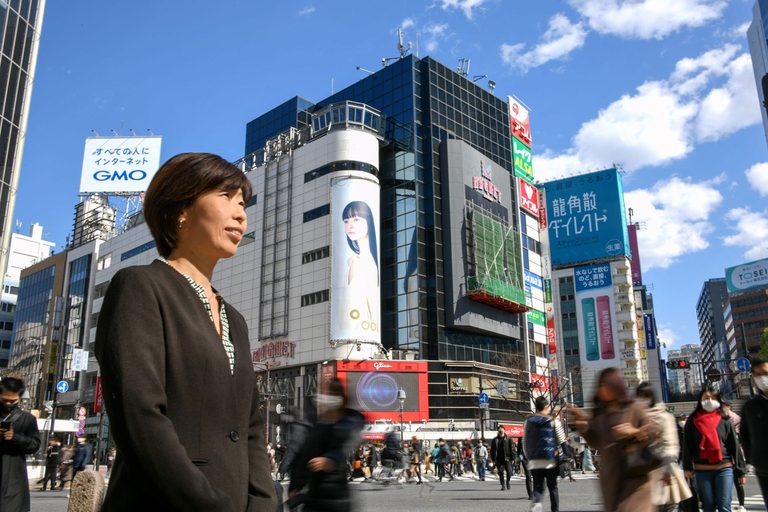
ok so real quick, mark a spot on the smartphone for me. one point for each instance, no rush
(606, 327)
(5, 425)
(590, 329)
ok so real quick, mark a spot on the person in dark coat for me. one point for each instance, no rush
(524, 468)
(503, 452)
(175, 357)
(52, 462)
(754, 417)
(81, 457)
(19, 437)
(334, 436)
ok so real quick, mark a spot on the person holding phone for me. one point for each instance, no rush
(19, 437)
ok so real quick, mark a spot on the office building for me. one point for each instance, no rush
(758, 50)
(710, 315)
(21, 23)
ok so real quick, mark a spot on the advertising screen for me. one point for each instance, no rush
(746, 276)
(355, 313)
(119, 164)
(598, 337)
(585, 218)
(373, 386)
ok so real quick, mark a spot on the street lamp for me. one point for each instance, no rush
(401, 399)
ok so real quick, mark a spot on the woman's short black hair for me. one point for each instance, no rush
(177, 185)
(645, 390)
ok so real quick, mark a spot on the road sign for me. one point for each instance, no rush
(484, 405)
(62, 386)
(713, 375)
(742, 364)
(502, 387)
(483, 398)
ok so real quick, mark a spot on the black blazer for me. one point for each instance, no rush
(189, 434)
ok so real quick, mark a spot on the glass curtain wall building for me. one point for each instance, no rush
(425, 103)
(20, 24)
(758, 50)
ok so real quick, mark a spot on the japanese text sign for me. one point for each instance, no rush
(119, 164)
(529, 197)
(519, 121)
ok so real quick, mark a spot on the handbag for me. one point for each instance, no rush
(639, 459)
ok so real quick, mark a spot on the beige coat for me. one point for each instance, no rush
(677, 490)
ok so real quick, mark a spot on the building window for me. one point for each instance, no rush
(14, 290)
(317, 254)
(8, 307)
(316, 213)
(315, 298)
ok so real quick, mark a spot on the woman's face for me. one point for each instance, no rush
(214, 224)
(605, 393)
(707, 395)
(356, 228)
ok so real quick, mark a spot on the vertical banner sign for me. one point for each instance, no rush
(522, 160)
(355, 271)
(595, 308)
(529, 197)
(98, 402)
(637, 271)
(519, 121)
(650, 332)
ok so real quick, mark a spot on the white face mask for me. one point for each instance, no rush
(710, 405)
(330, 402)
(761, 382)
(643, 401)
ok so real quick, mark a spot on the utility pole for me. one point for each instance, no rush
(482, 413)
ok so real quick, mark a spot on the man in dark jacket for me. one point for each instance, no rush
(754, 416)
(19, 437)
(502, 452)
(543, 441)
(52, 462)
(445, 458)
(81, 458)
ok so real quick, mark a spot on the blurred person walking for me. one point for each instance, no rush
(481, 458)
(502, 452)
(443, 458)
(415, 452)
(668, 486)
(711, 453)
(175, 357)
(524, 468)
(619, 425)
(52, 463)
(754, 418)
(543, 436)
(81, 457)
(567, 462)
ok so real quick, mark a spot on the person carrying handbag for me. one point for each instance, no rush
(668, 485)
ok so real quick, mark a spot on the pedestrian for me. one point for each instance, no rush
(668, 486)
(444, 458)
(467, 457)
(52, 463)
(618, 423)
(711, 453)
(481, 456)
(65, 469)
(428, 459)
(502, 453)
(567, 462)
(543, 436)
(455, 460)
(335, 434)
(736, 420)
(415, 452)
(754, 417)
(524, 468)
(111, 454)
(19, 437)
(586, 461)
(81, 458)
(175, 357)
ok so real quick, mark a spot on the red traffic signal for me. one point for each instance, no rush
(682, 364)
(678, 364)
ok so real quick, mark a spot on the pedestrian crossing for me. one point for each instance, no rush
(754, 502)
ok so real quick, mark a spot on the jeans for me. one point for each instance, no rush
(480, 469)
(550, 475)
(501, 466)
(715, 488)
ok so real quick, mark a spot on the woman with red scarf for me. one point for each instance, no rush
(711, 452)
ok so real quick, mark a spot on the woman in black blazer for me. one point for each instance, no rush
(178, 383)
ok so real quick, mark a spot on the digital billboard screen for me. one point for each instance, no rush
(595, 316)
(585, 218)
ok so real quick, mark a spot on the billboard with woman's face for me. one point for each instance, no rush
(355, 281)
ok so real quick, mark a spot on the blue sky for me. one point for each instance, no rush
(664, 89)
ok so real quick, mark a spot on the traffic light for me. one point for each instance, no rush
(678, 364)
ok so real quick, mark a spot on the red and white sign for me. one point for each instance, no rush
(542, 209)
(274, 349)
(99, 400)
(519, 121)
(551, 340)
(489, 190)
(529, 197)
(513, 430)
(542, 382)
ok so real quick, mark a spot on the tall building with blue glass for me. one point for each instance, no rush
(758, 50)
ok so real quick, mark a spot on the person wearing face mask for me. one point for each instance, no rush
(335, 434)
(19, 437)
(668, 486)
(711, 453)
(502, 452)
(754, 416)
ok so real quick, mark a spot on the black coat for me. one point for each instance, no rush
(503, 449)
(189, 434)
(754, 417)
(14, 485)
(729, 445)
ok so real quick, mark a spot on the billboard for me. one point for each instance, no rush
(529, 197)
(522, 160)
(585, 218)
(650, 332)
(595, 308)
(637, 271)
(372, 388)
(119, 164)
(355, 281)
(519, 121)
(746, 276)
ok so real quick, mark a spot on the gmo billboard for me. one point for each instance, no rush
(119, 164)
(595, 309)
(746, 276)
(585, 218)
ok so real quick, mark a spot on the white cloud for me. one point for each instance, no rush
(751, 232)
(434, 33)
(675, 225)
(560, 39)
(740, 31)
(664, 119)
(757, 175)
(307, 10)
(468, 6)
(667, 335)
(407, 23)
(647, 19)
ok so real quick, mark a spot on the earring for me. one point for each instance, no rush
(181, 223)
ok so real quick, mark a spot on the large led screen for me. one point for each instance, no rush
(377, 391)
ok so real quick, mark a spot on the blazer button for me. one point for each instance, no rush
(234, 436)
